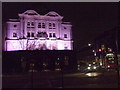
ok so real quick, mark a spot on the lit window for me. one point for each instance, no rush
(65, 35)
(54, 35)
(14, 34)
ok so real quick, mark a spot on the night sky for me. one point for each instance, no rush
(89, 20)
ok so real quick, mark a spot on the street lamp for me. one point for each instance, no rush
(89, 44)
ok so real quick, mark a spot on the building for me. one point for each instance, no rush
(32, 31)
(26, 36)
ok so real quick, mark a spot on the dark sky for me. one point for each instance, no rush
(89, 19)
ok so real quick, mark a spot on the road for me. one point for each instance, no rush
(108, 79)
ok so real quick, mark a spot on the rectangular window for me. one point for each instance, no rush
(28, 34)
(32, 23)
(65, 35)
(39, 34)
(50, 28)
(50, 34)
(14, 34)
(53, 24)
(32, 34)
(28, 23)
(66, 47)
(39, 25)
(54, 35)
(43, 25)
(50, 24)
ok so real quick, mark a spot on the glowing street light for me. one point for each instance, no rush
(89, 44)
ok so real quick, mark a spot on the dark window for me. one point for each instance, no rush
(66, 47)
(50, 24)
(32, 23)
(54, 35)
(15, 25)
(45, 34)
(65, 35)
(43, 25)
(42, 34)
(32, 34)
(28, 34)
(39, 25)
(14, 34)
(28, 23)
(39, 32)
(50, 28)
(50, 34)
(65, 28)
(53, 24)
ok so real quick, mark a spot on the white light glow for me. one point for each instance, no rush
(109, 54)
(89, 44)
(94, 67)
(78, 65)
(88, 68)
(100, 64)
(95, 54)
(78, 68)
(89, 65)
(92, 74)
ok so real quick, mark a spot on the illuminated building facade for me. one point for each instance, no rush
(33, 31)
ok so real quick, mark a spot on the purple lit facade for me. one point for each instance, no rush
(33, 31)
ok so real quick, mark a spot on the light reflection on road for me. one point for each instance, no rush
(92, 74)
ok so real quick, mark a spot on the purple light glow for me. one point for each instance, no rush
(37, 33)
